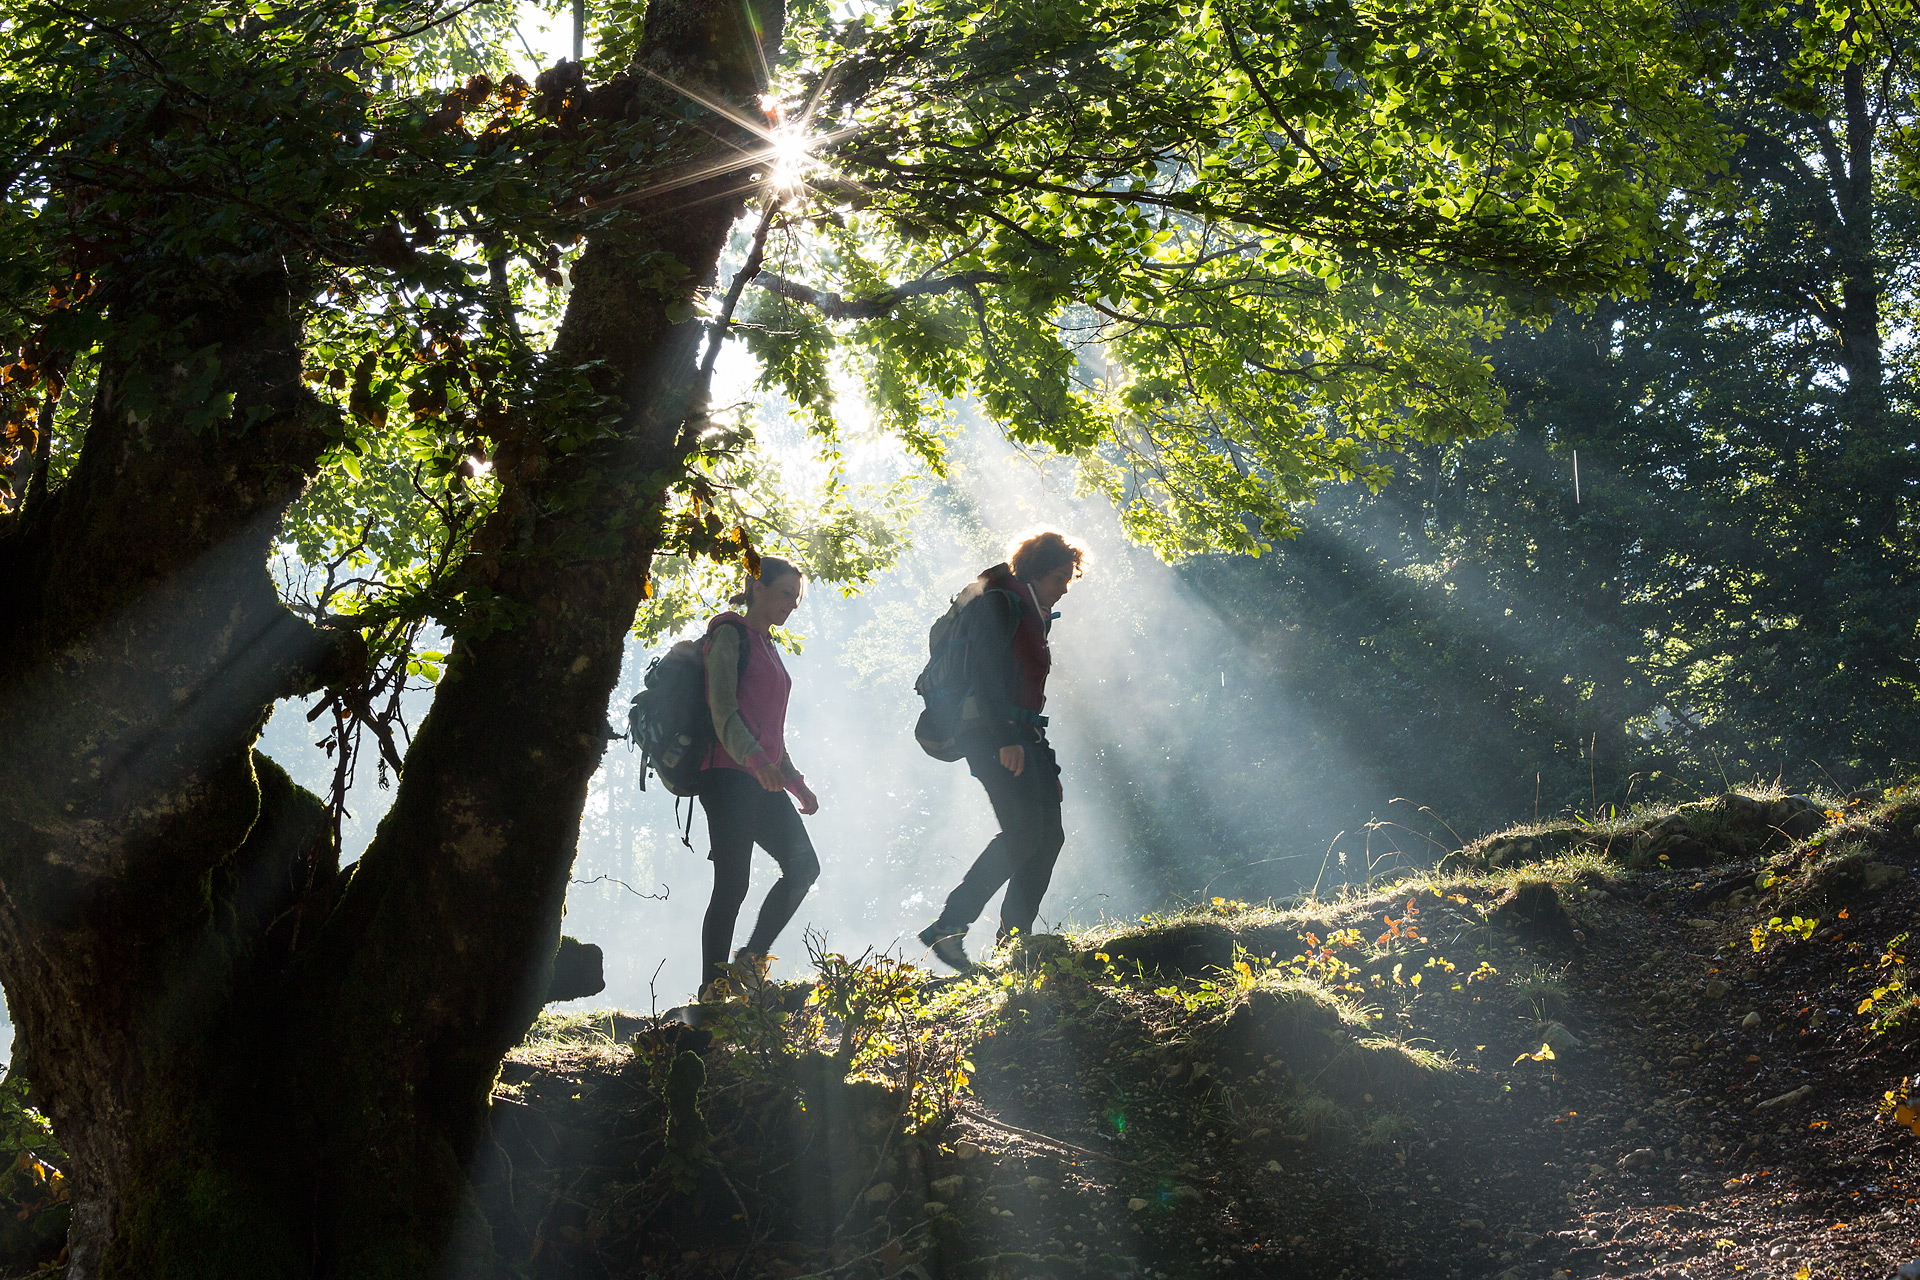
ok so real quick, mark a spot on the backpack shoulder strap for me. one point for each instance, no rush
(1014, 606)
(746, 641)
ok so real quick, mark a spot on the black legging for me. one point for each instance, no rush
(1022, 855)
(740, 814)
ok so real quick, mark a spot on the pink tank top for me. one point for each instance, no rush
(764, 687)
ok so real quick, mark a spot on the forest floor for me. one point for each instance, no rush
(1632, 1048)
(1666, 1044)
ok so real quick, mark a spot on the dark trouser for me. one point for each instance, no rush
(1022, 855)
(740, 814)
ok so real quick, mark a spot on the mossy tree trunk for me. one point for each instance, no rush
(261, 1066)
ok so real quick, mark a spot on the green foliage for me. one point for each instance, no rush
(1892, 1003)
(1221, 254)
(1797, 927)
(33, 1180)
(1730, 592)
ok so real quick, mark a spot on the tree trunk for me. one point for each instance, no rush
(262, 1067)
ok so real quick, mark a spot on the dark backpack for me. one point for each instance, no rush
(946, 681)
(669, 722)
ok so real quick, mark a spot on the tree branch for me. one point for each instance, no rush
(835, 307)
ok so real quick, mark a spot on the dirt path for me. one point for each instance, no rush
(1657, 1147)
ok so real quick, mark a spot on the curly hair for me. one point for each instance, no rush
(1038, 552)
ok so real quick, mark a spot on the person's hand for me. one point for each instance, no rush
(809, 802)
(770, 777)
(1014, 759)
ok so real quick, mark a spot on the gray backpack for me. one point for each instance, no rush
(669, 722)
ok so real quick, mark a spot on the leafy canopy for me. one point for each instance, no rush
(1221, 253)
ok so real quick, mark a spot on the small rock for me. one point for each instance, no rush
(1819, 1016)
(1562, 1040)
(1908, 1271)
(934, 1208)
(1184, 1192)
(1787, 1099)
(966, 1150)
(1716, 989)
(1273, 1166)
(1523, 1239)
(1136, 1204)
(1639, 1159)
(948, 1187)
(1878, 875)
(1038, 1184)
(879, 1193)
(1751, 1021)
(1701, 924)
(1472, 1224)
(1679, 1062)
(1596, 1170)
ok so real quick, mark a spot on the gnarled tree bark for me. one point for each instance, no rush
(261, 1066)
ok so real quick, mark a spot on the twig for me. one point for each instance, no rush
(651, 897)
(991, 1123)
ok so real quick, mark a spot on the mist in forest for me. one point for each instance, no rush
(1177, 756)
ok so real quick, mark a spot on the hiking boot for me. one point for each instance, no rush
(750, 972)
(948, 945)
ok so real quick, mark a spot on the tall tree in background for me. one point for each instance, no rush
(1751, 445)
(1734, 590)
(303, 308)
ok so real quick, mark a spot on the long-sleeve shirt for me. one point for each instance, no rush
(736, 738)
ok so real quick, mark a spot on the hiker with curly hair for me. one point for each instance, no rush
(747, 775)
(1002, 733)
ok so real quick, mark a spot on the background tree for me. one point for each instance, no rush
(298, 301)
(1734, 592)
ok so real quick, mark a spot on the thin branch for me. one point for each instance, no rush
(43, 448)
(835, 307)
(422, 28)
(717, 333)
(651, 897)
(1278, 116)
(980, 1117)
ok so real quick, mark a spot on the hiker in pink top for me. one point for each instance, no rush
(745, 781)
